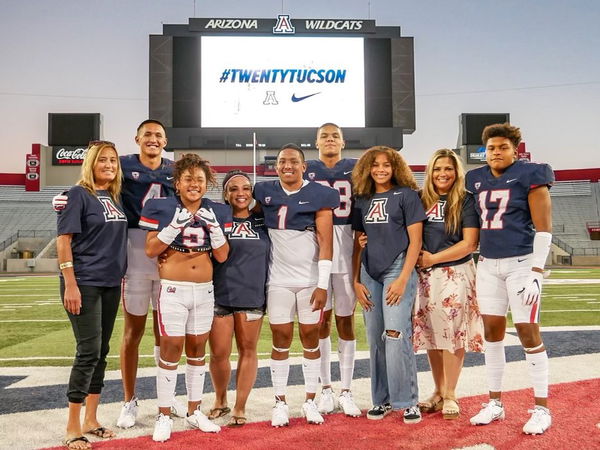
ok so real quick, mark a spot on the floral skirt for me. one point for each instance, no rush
(446, 315)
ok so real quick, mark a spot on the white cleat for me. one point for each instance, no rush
(539, 421)
(281, 414)
(494, 410)
(326, 401)
(311, 412)
(203, 423)
(347, 404)
(178, 409)
(162, 428)
(128, 414)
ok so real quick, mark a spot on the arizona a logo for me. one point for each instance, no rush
(284, 25)
(436, 212)
(243, 230)
(111, 212)
(270, 98)
(377, 212)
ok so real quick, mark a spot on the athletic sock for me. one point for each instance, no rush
(156, 354)
(537, 364)
(495, 360)
(310, 370)
(194, 382)
(346, 350)
(325, 348)
(166, 380)
(280, 370)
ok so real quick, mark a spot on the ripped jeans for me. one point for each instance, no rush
(392, 360)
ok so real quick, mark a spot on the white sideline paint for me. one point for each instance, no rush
(46, 428)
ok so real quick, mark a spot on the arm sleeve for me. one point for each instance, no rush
(357, 223)
(331, 198)
(150, 217)
(224, 216)
(412, 207)
(470, 218)
(541, 175)
(68, 221)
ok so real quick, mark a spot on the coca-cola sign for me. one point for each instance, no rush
(68, 156)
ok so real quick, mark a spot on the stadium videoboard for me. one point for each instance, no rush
(214, 82)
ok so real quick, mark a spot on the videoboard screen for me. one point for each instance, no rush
(273, 81)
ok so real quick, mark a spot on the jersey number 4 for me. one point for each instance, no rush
(499, 196)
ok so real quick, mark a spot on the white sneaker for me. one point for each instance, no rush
(203, 423)
(311, 412)
(178, 409)
(347, 404)
(128, 414)
(281, 414)
(326, 401)
(539, 421)
(494, 410)
(162, 428)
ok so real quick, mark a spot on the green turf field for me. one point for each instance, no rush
(35, 330)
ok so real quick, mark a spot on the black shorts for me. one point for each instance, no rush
(251, 313)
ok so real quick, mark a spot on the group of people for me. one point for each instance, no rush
(326, 234)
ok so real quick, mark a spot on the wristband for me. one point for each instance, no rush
(542, 242)
(324, 273)
(65, 265)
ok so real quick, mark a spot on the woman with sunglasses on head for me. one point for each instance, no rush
(239, 299)
(187, 229)
(447, 321)
(91, 247)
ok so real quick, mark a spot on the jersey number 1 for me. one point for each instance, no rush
(500, 196)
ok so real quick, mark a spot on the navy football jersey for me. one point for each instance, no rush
(141, 184)
(339, 177)
(240, 280)
(435, 237)
(502, 203)
(99, 243)
(158, 213)
(222, 211)
(384, 218)
(296, 211)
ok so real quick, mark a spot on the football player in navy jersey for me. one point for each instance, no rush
(513, 200)
(239, 299)
(333, 171)
(91, 247)
(187, 229)
(388, 210)
(447, 321)
(298, 214)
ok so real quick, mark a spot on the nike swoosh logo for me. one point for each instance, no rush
(210, 292)
(511, 180)
(181, 222)
(346, 173)
(397, 193)
(303, 203)
(299, 99)
(521, 260)
(170, 178)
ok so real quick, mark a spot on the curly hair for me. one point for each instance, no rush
(456, 196)
(86, 179)
(362, 182)
(191, 161)
(504, 130)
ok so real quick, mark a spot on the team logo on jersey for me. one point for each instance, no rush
(135, 175)
(111, 212)
(268, 200)
(311, 176)
(477, 185)
(436, 212)
(171, 289)
(377, 211)
(284, 25)
(243, 230)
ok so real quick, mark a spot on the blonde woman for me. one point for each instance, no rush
(92, 256)
(447, 321)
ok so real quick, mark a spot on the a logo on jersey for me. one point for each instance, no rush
(284, 25)
(135, 175)
(270, 98)
(436, 212)
(243, 230)
(311, 176)
(477, 185)
(267, 200)
(111, 212)
(171, 289)
(377, 211)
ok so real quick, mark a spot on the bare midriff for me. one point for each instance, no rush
(195, 267)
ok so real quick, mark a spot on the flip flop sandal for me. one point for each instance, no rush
(68, 442)
(236, 421)
(451, 410)
(215, 413)
(101, 433)
(432, 405)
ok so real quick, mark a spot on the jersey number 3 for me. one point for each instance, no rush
(499, 196)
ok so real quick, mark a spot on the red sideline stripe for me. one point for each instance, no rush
(534, 310)
(161, 325)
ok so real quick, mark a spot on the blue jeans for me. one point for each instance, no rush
(393, 363)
